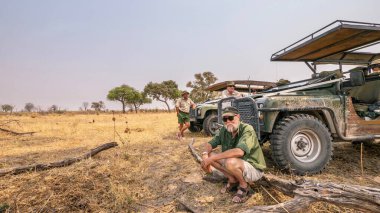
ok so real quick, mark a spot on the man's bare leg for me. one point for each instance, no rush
(219, 166)
(184, 127)
(235, 167)
(179, 135)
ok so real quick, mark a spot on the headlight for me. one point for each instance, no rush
(260, 105)
(198, 111)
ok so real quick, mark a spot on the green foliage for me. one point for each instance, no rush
(128, 96)
(98, 106)
(7, 108)
(164, 91)
(202, 81)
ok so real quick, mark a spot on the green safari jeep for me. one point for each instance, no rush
(302, 119)
(205, 116)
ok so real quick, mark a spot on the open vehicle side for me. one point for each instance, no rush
(303, 118)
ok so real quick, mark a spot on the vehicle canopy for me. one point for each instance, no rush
(336, 43)
(242, 86)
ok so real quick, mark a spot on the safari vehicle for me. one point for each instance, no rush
(205, 116)
(302, 119)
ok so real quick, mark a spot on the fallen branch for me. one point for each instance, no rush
(187, 207)
(306, 192)
(5, 123)
(16, 133)
(66, 162)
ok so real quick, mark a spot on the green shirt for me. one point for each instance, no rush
(245, 140)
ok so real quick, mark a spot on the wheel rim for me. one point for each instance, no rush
(213, 127)
(305, 145)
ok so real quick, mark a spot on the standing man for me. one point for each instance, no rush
(241, 160)
(230, 91)
(182, 107)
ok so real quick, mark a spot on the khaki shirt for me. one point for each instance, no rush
(246, 140)
(184, 105)
(226, 94)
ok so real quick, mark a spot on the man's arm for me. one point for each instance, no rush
(231, 153)
(177, 106)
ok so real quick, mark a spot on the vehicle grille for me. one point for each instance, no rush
(193, 113)
(247, 109)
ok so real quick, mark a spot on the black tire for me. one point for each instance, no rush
(302, 144)
(194, 128)
(210, 124)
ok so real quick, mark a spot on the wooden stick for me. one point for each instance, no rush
(361, 158)
(193, 152)
(16, 133)
(274, 198)
(66, 162)
(186, 206)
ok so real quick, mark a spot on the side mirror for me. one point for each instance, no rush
(357, 78)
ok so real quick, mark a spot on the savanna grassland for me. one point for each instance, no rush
(150, 170)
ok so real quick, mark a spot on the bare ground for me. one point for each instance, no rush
(150, 171)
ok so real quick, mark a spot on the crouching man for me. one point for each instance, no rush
(241, 160)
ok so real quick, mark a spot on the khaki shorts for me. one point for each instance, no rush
(250, 173)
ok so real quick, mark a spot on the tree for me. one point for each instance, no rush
(53, 108)
(164, 91)
(97, 106)
(7, 108)
(202, 81)
(128, 96)
(85, 106)
(29, 107)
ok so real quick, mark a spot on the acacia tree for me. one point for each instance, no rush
(202, 81)
(7, 108)
(128, 96)
(97, 106)
(53, 108)
(29, 107)
(85, 106)
(164, 91)
(137, 99)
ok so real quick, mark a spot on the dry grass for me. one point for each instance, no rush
(149, 172)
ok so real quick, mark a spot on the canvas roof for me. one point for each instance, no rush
(337, 42)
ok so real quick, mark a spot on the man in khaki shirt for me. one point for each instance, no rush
(182, 107)
(230, 91)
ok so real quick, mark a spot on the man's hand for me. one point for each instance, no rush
(206, 164)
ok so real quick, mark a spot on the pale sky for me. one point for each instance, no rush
(72, 51)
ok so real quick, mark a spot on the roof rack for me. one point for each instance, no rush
(334, 43)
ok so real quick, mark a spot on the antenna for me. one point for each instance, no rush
(249, 86)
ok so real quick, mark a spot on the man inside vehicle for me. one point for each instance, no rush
(230, 91)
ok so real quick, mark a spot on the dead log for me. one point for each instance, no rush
(306, 192)
(16, 133)
(66, 162)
